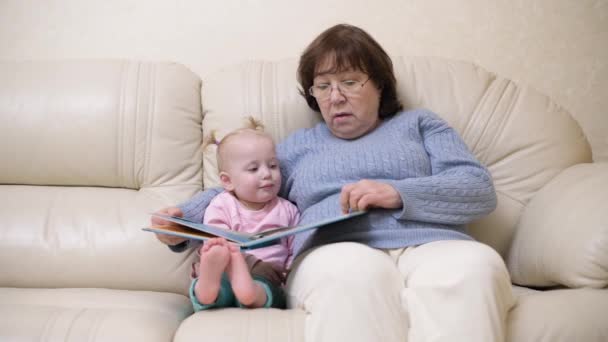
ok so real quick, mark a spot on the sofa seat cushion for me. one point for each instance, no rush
(563, 315)
(90, 315)
(238, 325)
(86, 237)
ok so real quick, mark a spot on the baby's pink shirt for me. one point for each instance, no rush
(227, 212)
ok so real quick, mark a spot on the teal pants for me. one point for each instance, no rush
(275, 296)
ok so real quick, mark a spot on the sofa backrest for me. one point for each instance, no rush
(521, 135)
(88, 149)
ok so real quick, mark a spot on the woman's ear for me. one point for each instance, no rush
(226, 181)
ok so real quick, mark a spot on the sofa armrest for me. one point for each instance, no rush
(562, 235)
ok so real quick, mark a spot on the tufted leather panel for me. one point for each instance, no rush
(98, 123)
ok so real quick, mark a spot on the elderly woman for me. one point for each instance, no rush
(407, 271)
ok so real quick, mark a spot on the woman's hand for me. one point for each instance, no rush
(157, 221)
(366, 194)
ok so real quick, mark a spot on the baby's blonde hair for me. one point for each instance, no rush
(252, 126)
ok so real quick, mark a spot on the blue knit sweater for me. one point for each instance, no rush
(440, 182)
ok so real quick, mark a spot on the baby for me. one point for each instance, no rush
(250, 175)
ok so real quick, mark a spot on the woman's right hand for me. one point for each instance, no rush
(157, 221)
(366, 194)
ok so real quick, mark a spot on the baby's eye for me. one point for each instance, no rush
(273, 166)
(252, 169)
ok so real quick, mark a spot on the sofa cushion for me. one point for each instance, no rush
(238, 325)
(562, 237)
(85, 237)
(558, 316)
(99, 123)
(90, 315)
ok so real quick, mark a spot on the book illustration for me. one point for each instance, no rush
(199, 231)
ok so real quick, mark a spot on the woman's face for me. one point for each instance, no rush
(349, 112)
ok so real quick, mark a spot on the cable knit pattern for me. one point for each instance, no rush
(442, 185)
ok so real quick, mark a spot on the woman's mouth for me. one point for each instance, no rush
(339, 117)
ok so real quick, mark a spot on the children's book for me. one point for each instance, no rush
(198, 231)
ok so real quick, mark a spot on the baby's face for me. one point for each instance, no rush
(252, 166)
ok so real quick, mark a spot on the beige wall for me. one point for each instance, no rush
(557, 46)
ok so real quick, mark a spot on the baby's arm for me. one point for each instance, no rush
(288, 241)
(193, 210)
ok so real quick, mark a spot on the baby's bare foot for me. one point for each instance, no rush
(214, 260)
(213, 242)
(247, 291)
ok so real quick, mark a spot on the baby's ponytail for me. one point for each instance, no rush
(210, 139)
(254, 124)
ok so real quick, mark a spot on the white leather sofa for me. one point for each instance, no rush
(89, 148)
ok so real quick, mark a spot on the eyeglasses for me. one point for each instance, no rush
(347, 88)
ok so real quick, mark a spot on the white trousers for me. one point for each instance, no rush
(441, 291)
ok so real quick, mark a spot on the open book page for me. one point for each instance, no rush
(286, 231)
(212, 230)
(199, 231)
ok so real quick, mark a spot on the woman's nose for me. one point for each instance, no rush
(335, 95)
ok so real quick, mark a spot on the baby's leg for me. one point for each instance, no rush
(248, 292)
(215, 256)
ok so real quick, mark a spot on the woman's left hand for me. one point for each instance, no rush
(366, 194)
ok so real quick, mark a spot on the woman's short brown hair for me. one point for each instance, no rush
(351, 48)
